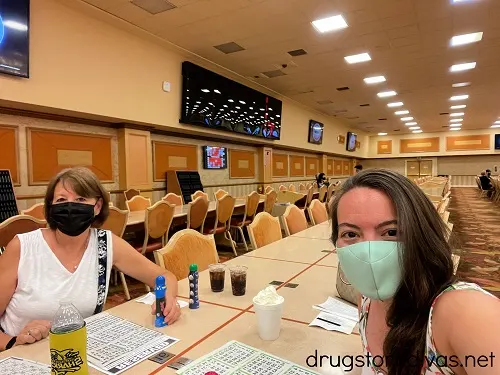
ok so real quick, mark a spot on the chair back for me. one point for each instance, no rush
(37, 211)
(301, 202)
(138, 203)
(197, 213)
(116, 221)
(330, 192)
(219, 194)
(294, 220)
(283, 188)
(174, 199)
(292, 188)
(198, 194)
(130, 193)
(317, 212)
(265, 229)
(270, 201)
(310, 193)
(268, 189)
(308, 185)
(157, 222)
(184, 248)
(224, 211)
(302, 187)
(322, 193)
(252, 204)
(16, 225)
(445, 216)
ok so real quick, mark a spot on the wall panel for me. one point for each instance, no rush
(312, 165)
(419, 145)
(173, 157)
(468, 142)
(9, 158)
(241, 164)
(297, 166)
(280, 165)
(384, 147)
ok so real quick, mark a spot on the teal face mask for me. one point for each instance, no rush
(372, 267)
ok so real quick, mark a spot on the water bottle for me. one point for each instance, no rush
(68, 341)
(194, 301)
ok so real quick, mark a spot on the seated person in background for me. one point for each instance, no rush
(358, 168)
(321, 180)
(412, 310)
(488, 173)
(67, 261)
(486, 183)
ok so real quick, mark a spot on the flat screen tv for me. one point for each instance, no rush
(315, 132)
(351, 141)
(216, 102)
(214, 157)
(497, 141)
(14, 37)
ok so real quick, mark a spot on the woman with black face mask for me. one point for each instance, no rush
(70, 260)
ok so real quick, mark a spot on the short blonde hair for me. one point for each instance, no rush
(84, 183)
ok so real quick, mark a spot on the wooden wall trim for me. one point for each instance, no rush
(468, 142)
(416, 145)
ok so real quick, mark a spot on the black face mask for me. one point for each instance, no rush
(72, 218)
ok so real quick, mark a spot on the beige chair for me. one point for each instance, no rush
(270, 201)
(251, 206)
(222, 222)
(317, 212)
(308, 186)
(197, 214)
(294, 220)
(292, 188)
(330, 192)
(302, 187)
(268, 189)
(157, 223)
(130, 193)
(264, 230)
(283, 188)
(322, 193)
(450, 230)
(138, 203)
(187, 247)
(37, 211)
(116, 223)
(219, 194)
(445, 216)
(16, 225)
(174, 199)
(198, 194)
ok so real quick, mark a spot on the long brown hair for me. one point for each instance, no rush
(427, 267)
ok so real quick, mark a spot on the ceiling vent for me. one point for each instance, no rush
(364, 105)
(345, 88)
(444, 113)
(338, 111)
(353, 118)
(297, 52)
(154, 6)
(230, 47)
(324, 102)
(397, 130)
(382, 119)
(274, 73)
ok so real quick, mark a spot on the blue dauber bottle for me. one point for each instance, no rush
(194, 301)
(160, 292)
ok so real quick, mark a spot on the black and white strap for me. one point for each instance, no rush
(102, 255)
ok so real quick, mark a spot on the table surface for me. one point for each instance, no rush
(433, 187)
(223, 317)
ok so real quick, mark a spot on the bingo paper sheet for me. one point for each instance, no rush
(20, 366)
(236, 358)
(115, 345)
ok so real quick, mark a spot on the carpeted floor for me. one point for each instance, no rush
(476, 227)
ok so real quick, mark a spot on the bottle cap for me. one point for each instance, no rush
(193, 267)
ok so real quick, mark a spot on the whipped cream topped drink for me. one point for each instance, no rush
(268, 305)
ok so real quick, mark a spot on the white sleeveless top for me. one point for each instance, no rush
(42, 281)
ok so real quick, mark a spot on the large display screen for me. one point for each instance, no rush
(213, 101)
(14, 37)
(351, 141)
(315, 132)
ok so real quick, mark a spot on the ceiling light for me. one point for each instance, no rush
(411, 123)
(401, 113)
(455, 125)
(377, 79)
(395, 104)
(457, 120)
(458, 106)
(406, 118)
(354, 59)
(217, 91)
(457, 114)
(497, 122)
(455, 129)
(459, 40)
(495, 126)
(459, 97)
(15, 25)
(330, 24)
(382, 133)
(417, 131)
(414, 128)
(462, 67)
(386, 94)
(461, 84)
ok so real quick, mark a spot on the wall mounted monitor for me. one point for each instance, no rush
(14, 37)
(216, 102)
(351, 141)
(214, 157)
(315, 132)
(497, 141)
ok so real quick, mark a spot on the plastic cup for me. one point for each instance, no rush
(238, 280)
(268, 320)
(217, 277)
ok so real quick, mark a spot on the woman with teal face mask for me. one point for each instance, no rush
(415, 317)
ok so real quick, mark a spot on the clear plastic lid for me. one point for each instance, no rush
(67, 318)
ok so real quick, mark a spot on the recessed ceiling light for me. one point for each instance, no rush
(411, 123)
(497, 122)
(382, 133)
(459, 40)
(461, 84)
(377, 79)
(397, 113)
(417, 131)
(457, 114)
(395, 104)
(414, 128)
(455, 129)
(459, 97)
(462, 67)
(406, 118)
(457, 120)
(330, 24)
(455, 125)
(495, 126)
(354, 59)
(458, 106)
(386, 94)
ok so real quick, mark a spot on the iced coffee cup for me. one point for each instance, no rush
(238, 280)
(268, 307)
(217, 277)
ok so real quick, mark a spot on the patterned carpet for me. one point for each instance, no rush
(477, 232)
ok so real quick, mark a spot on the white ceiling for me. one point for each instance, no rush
(408, 41)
